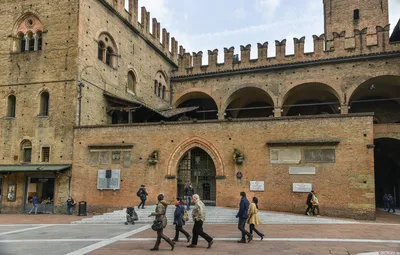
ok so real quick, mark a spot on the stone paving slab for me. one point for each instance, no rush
(41, 248)
(256, 247)
(39, 218)
(4, 229)
(356, 231)
(71, 232)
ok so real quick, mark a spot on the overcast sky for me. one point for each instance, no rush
(200, 25)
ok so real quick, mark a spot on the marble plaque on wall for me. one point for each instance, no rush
(301, 170)
(256, 186)
(319, 155)
(285, 156)
(94, 158)
(127, 159)
(108, 183)
(104, 157)
(302, 187)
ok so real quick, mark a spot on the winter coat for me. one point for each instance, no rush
(143, 194)
(253, 215)
(244, 209)
(199, 211)
(314, 200)
(309, 198)
(189, 191)
(161, 209)
(178, 215)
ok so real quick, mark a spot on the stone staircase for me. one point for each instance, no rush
(214, 215)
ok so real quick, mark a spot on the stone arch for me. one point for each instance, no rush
(249, 96)
(191, 143)
(381, 95)
(24, 28)
(207, 105)
(311, 94)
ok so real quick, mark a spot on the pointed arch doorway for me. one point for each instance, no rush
(198, 168)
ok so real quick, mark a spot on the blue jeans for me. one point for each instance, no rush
(70, 209)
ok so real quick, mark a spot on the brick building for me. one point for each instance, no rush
(97, 103)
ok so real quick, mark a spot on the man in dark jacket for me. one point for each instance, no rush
(309, 203)
(142, 195)
(391, 203)
(189, 192)
(242, 215)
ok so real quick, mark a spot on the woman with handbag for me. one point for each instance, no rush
(160, 223)
(253, 218)
(179, 221)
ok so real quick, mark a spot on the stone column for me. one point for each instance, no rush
(277, 112)
(344, 109)
(221, 115)
(35, 47)
(26, 43)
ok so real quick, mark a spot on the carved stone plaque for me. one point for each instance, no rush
(108, 183)
(94, 158)
(104, 157)
(319, 155)
(285, 156)
(127, 159)
(301, 170)
(302, 187)
(115, 157)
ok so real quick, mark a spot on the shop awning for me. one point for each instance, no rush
(33, 168)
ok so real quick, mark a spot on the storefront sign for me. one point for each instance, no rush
(302, 187)
(256, 186)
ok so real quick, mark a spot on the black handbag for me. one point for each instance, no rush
(157, 225)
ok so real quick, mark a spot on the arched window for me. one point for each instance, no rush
(109, 53)
(159, 90)
(44, 104)
(107, 50)
(29, 33)
(163, 92)
(100, 51)
(39, 40)
(11, 106)
(22, 42)
(155, 87)
(131, 82)
(26, 148)
(31, 41)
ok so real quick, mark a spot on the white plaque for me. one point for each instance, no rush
(112, 183)
(285, 156)
(302, 187)
(301, 170)
(256, 186)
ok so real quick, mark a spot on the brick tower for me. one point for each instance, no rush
(347, 15)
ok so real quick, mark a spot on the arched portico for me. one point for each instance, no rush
(380, 95)
(312, 98)
(207, 107)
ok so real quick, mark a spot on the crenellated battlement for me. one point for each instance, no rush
(157, 37)
(342, 45)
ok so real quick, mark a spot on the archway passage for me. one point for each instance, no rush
(207, 110)
(380, 95)
(249, 102)
(311, 99)
(197, 167)
(387, 169)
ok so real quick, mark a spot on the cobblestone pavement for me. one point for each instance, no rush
(53, 237)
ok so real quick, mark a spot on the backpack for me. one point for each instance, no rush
(185, 216)
(139, 192)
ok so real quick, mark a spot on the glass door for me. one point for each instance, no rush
(43, 188)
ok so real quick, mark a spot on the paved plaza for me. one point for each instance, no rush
(332, 237)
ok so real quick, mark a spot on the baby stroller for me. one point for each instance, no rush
(131, 216)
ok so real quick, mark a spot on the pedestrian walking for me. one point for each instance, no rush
(189, 192)
(243, 215)
(70, 205)
(253, 218)
(308, 203)
(199, 216)
(142, 194)
(315, 203)
(391, 203)
(385, 202)
(35, 202)
(160, 223)
(179, 222)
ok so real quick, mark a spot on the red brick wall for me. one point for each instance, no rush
(345, 188)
